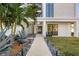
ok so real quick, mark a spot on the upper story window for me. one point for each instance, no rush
(49, 9)
(77, 9)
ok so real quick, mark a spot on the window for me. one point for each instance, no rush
(52, 29)
(77, 9)
(49, 10)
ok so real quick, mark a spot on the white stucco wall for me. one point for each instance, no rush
(64, 9)
(77, 28)
(64, 29)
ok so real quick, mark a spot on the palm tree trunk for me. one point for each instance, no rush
(11, 28)
(14, 28)
(1, 25)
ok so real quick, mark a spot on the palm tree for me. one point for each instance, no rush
(23, 14)
(2, 12)
(4, 15)
(31, 12)
(4, 19)
(12, 15)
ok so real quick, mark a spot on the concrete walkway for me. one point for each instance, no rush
(39, 47)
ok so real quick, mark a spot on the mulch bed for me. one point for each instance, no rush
(16, 48)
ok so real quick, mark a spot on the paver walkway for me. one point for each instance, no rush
(39, 47)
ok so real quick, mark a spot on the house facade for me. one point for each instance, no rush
(57, 19)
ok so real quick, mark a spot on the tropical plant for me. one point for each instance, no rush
(2, 12)
(23, 14)
(31, 12)
(12, 15)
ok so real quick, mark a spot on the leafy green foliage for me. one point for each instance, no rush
(12, 12)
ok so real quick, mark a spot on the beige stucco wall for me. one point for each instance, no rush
(64, 29)
(77, 29)
(64, 10)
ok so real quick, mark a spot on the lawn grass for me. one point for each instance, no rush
(69, 46)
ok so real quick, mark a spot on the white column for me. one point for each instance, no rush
(77, 28)
(44, 28)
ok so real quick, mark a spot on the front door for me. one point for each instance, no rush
(53, 29)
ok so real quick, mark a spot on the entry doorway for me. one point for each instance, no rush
(39, 29)
(53, 29)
